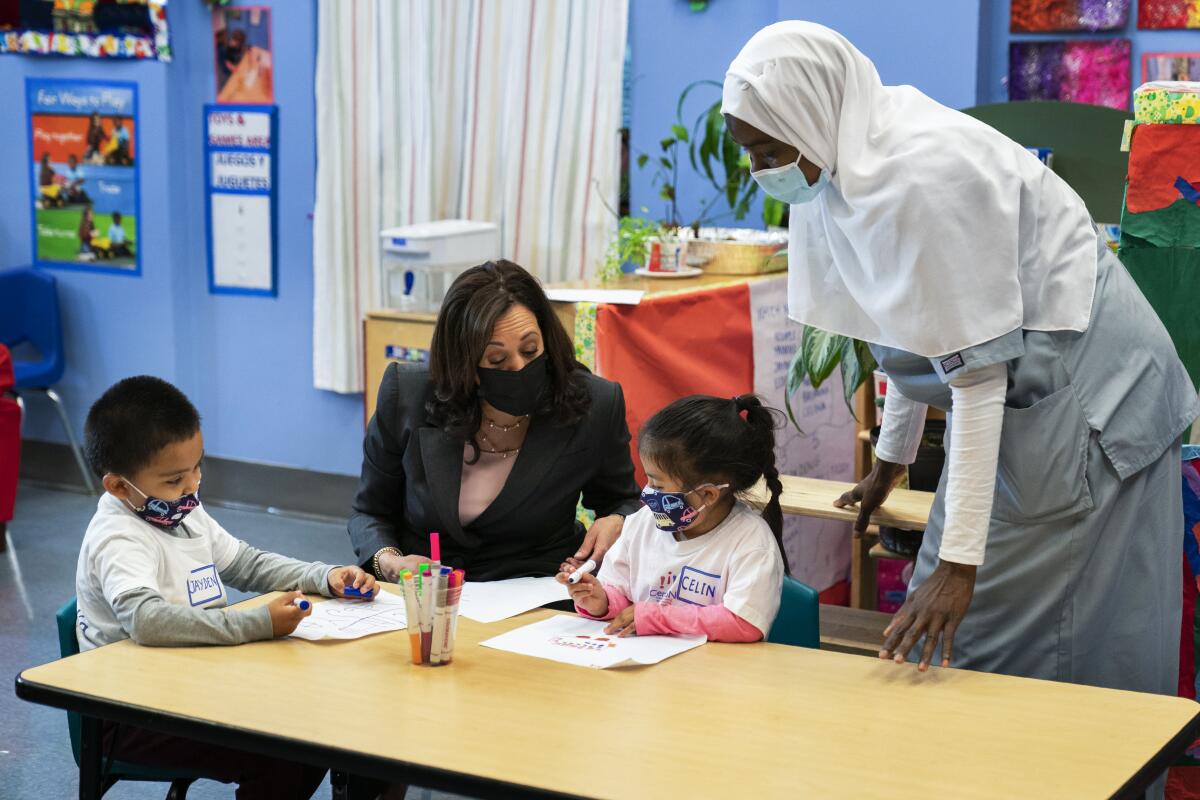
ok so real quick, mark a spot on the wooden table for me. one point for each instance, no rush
(723, 720)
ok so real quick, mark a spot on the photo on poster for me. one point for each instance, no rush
(83, 174)
(1170, 67)
(242, 55)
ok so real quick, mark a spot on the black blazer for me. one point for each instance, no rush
(412, 470)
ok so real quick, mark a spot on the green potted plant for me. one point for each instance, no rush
(819, 354)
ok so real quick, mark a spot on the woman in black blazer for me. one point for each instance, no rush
(503, 409)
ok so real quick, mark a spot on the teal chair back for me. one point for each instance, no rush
(799, 619)
(68, 645)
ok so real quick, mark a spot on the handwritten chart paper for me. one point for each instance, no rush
(579, 641)
(492, 601)
(352, 619)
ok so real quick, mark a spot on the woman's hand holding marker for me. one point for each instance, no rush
(588, 593)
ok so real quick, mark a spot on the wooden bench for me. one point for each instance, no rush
(852, 630)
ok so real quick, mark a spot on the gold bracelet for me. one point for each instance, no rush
(375, 560)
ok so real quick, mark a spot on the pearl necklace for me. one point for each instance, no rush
(506, 428)
(494, 451)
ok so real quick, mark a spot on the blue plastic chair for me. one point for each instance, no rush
(29, 315)
(799, 620)
(68, 645)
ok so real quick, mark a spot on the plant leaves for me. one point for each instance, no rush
(681, 133)
(857, 366)
(666, 143)
(822, 352)
(642, 159)
(773, 210)
(667, 192)
(795, 379)
(666, 162)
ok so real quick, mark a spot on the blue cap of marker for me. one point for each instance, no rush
(301, 603)
(350, 591)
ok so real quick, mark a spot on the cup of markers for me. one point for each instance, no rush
(431, 600)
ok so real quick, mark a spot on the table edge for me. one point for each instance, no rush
(276, 746)
(1136, 786)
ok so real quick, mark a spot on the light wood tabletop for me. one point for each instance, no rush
(722, 720)
(813, 497)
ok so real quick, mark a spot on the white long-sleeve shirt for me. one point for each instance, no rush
(977, 415)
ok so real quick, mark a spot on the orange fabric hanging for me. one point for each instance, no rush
(672, 346)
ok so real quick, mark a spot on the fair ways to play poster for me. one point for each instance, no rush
(83, 172)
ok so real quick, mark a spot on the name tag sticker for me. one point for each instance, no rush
(698, 588)
(951, 363)
(204, 585)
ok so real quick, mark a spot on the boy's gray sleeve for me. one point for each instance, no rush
(152, 621)
(254, 570)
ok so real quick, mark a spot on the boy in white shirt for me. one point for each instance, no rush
(154, 566)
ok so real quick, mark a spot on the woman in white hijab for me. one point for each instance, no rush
(979, 280)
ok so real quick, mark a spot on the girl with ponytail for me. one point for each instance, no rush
(696, 559)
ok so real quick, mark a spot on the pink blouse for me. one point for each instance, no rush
(481, 483)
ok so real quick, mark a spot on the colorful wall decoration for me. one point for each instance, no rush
(1170, 67)
(83, 172)
(1157, 14)
(1068, 15)
(85, 28)
(1084, 71)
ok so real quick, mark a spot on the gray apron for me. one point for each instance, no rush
(1081, 575)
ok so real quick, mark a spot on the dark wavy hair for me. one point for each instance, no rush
(703, 439)
(476, 300)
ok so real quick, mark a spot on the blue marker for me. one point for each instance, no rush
(350, 591)
(301, 603)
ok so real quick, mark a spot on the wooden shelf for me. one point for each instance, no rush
(814, 497)
(879, 551)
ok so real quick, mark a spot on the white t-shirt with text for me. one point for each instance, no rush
(737, 564)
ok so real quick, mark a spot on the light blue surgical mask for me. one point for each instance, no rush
(788, 184)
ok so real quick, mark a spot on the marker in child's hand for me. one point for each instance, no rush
(588, 566)
(350, 591)
(301, 603)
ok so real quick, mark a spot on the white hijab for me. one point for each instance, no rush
(936, 232)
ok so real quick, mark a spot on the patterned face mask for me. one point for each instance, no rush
(672, 512)
(165, 513)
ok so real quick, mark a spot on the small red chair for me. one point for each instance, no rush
(10, 444)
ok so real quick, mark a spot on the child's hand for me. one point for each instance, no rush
(588, 594)
(285, 614)
(623, 624)
(354, 577)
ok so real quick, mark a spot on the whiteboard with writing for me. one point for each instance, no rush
(240, 177)
(818, 550)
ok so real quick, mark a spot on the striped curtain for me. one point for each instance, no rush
(505, 111)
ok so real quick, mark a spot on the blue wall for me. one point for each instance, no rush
(245, 362)
(993, 67)
(931, 44)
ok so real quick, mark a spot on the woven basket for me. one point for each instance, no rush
(736, 258)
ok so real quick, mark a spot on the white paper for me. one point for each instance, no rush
(579, 641)
(492, 601)
(351, 619)
(620, 297)
(241, 240)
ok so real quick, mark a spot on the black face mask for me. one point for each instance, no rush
(518, 392)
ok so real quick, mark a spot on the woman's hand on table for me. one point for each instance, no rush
(341, 578)
(391, 565)
(599, 540)
(623, 624)
(934, 611)
(588, 594)
(871, 492)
